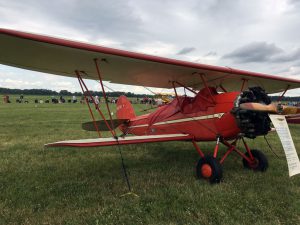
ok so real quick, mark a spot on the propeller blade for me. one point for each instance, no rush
(90, 126)
(253, 106)
(271, 108)
(289, 110)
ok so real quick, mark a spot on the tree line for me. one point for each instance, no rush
(9, 91)
(286, 98)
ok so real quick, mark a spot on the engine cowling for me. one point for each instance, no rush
(252, 123)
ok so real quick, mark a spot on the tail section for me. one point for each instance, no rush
(124, 109)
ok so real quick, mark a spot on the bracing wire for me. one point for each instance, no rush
(272, 150)
(124, 168)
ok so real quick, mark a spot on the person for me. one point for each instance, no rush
(62, 100)
(113, 100)
(159, 101)
(6, 99)
(96, 99)
(152, 101)
(74, 99)
(21, 98)
(54, 100)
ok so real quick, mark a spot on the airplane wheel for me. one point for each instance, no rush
(260, 161)
(209, 168)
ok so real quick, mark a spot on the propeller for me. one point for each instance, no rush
(271, 108)
(90, 126)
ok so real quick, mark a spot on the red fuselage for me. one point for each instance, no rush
(203, 117)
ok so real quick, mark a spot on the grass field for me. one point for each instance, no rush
(83, 186)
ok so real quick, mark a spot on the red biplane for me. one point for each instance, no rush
(228, 104)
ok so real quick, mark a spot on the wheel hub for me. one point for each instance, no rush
(253, 164)
(206, 171)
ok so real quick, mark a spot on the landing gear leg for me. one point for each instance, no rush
(259, 163)
(208, 167)
(252, 158)
(257, 160)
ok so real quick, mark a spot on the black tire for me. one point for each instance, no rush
(215, 166)
(261, 161)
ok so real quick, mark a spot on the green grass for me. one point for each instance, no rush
(83, 186)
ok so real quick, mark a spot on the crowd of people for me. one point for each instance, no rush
(76, 99)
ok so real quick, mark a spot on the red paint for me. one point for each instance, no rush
(208, 89)
(229, 150)
(216, 149)
(125, 109)
(198, 149)
(232, 147)
(206, 171)
(187, 108)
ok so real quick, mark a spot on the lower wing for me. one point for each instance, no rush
(120, 141)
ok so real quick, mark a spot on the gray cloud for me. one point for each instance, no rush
(294, 2)
(262, 52)
(287, 57)
(211, 53)
(186, 50)
(208, 28)
(254, 52)
(92, 18)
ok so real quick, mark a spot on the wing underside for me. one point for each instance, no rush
(63, 57)
(97, 142)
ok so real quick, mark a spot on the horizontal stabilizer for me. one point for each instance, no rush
(120, 141)
(101, 125)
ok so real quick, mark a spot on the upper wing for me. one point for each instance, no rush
(63, 57)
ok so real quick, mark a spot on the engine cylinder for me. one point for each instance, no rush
(252, 123)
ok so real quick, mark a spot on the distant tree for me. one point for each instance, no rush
(65, 92)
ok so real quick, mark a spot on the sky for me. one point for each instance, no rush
(257, 35)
